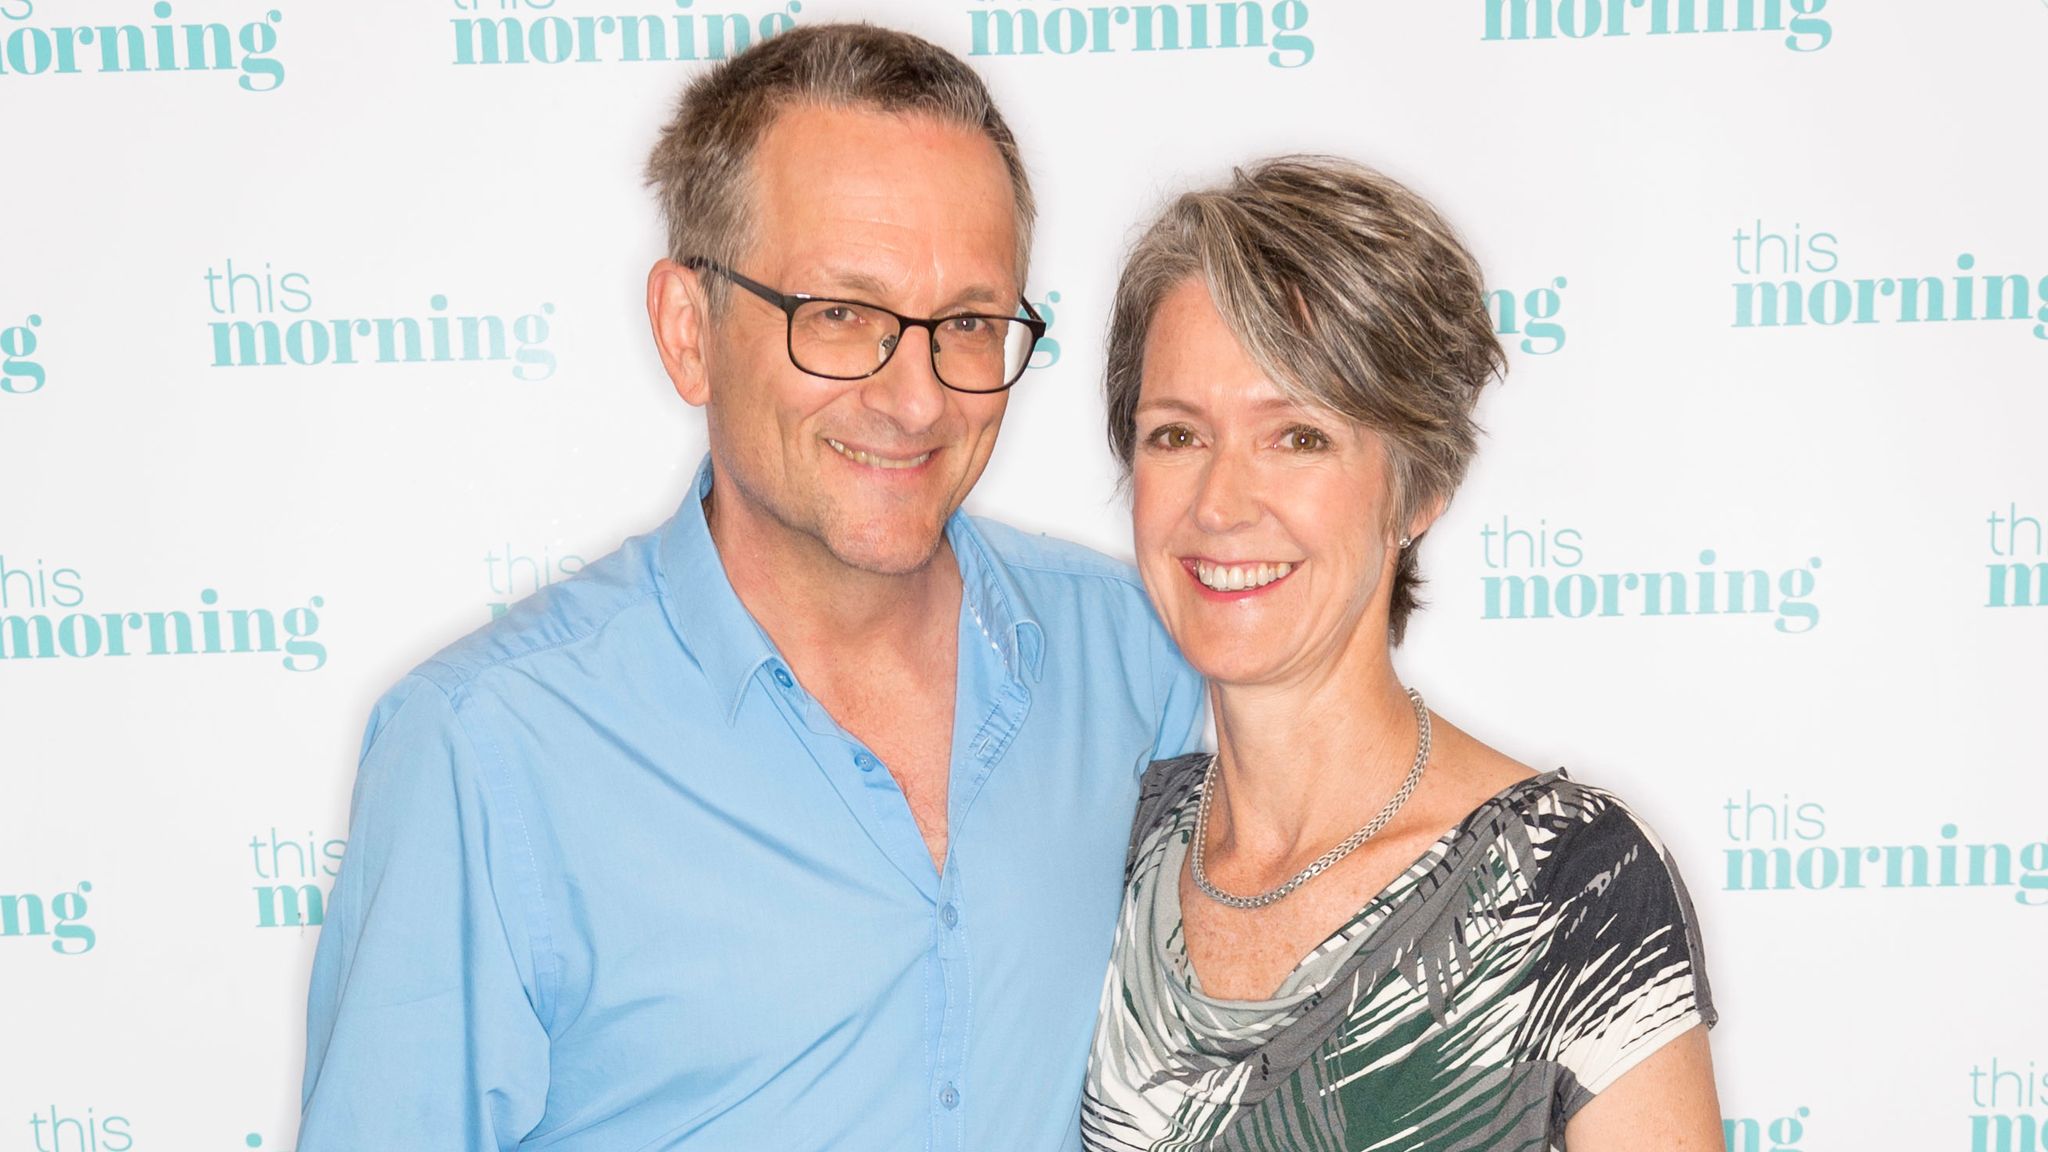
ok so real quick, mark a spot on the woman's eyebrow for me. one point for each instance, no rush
(1169, 404)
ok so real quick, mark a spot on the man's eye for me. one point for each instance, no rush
(837, 314)
(1306, 439)
(967, 325)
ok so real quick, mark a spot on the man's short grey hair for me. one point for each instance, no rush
(1353, 296)
(702, 167)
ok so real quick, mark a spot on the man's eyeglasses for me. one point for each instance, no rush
(852, 340)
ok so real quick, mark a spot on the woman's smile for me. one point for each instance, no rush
(1235, 580)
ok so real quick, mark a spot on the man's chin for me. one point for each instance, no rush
(888, 549)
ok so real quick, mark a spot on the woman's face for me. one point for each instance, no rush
(1263, 529)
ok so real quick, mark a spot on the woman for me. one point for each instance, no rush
(1355, 926)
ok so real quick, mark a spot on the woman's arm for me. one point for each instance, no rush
(1666, 1103)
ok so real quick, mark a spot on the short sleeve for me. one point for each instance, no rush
(420, 1025)
(1625, 974)
(1182, 702)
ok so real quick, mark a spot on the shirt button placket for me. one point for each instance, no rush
(948, 1132)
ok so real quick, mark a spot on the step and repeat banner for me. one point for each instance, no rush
(322, 341)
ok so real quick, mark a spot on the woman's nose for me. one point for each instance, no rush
(1227, 499)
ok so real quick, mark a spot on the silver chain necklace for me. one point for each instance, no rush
(1324, 861)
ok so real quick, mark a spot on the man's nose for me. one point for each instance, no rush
(907, 390)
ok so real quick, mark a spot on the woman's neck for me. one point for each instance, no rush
(1303, 765)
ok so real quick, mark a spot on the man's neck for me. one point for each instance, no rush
(821, 611)
(880, 652)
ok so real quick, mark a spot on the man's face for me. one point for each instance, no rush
(904, 212)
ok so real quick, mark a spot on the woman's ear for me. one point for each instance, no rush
(1423, 517)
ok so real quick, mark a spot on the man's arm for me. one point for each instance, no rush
(1184, 698)
(421, 1030)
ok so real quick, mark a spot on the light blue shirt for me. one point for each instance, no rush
(615, 881)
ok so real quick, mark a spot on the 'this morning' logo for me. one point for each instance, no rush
(1532, 315)
(295, 877)
(2018, 577)
(1543, 573)
(80, 1130)
(1788, 284)
(513, 575)
(1031, 29)
(1781, 846)
(1778, 1134)
(527, 32)
(58, 918)
(20, 372)
(1806, 30)
(2011, 1107)
(282, 335)
(32, 47)
(39, 619)
(1047, 353)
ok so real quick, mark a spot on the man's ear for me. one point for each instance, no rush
(676, 308)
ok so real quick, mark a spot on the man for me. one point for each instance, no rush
(799, 823)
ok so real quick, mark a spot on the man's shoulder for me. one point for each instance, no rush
(1049, 558)
(553, 624)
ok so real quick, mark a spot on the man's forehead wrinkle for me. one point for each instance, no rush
(835, 279)
(879, 227)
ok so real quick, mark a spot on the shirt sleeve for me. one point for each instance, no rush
(1183, 702)
(1627, 968)
(421, 1030)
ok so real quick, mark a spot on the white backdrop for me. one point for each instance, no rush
(1866, 441)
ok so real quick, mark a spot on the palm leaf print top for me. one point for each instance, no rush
(1535, 953)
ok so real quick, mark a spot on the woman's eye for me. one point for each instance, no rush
(1173, 436)
(1307, 439)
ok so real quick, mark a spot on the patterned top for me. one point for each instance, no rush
(1538, 951)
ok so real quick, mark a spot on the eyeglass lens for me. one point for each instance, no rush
(849, 340)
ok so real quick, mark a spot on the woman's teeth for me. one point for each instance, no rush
(874, 461)
(1238, 577)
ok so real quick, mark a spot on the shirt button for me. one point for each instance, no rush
(782, 677)
(865, 761)
(949, 1096)
(949, 915)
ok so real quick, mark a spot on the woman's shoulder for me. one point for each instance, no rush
(1587, 843)
(1577, 813)
(1167, 782)
(1164, 788)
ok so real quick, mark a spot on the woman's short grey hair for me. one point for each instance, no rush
(1353, 296)
(702, 166)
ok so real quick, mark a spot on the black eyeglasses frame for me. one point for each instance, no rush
(789, 302)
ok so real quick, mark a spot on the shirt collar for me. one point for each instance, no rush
(703, 608)
(730, 646)
(995, 603)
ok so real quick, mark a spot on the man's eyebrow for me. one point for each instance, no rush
(871, 290)
(852, 283)
(982, 295)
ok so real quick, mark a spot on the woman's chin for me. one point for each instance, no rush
(1225, 666)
